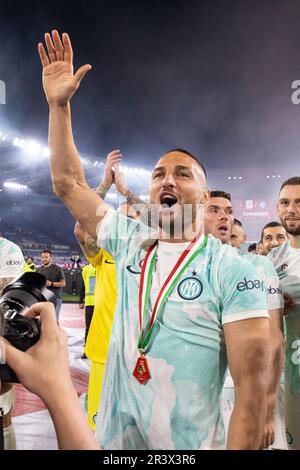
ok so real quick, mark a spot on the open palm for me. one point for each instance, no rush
(59, 80)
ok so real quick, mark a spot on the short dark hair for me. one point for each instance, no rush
(270, 225)
(252, 247)
(47, 251)
(237, 222)
(220, 194)
(190, 155)
(294, 181)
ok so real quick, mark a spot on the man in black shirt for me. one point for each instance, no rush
(55, 277)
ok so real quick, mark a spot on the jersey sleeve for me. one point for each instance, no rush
(275, 294)
(117, 231)
(242, 291)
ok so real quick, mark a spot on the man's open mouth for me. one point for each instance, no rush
(223, 228)
(168, 200)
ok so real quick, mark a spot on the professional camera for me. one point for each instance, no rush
(22, 332)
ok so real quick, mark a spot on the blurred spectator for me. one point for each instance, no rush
(55, 277)
(29, 266)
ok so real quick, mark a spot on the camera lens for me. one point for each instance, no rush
(20, 331)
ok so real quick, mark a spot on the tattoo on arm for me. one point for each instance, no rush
(92, 245)
(102, 190)
(139, 206)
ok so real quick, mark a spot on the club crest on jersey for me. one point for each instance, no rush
(190, 288)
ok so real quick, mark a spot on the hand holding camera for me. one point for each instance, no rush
(21, 327)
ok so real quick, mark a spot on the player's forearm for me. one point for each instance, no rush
(66, 167)
(59, 283)
(274, 373)
(248, 418)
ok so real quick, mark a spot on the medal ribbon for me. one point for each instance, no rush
(189, 254)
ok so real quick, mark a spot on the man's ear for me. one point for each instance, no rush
(245, 237)
(205, 197)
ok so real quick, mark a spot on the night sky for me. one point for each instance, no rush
(213, 77)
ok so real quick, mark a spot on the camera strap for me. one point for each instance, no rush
(1, 429)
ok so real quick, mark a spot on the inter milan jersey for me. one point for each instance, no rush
(270, 278)
(11, 259)
(286, 261)
(179, 408)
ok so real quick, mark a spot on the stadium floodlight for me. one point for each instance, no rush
(46, 152)
(15, 186)
(32, 148)
(19, 142)
(144, 197)
(112, 196)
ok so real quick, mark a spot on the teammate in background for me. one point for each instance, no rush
(286, 260)
(55, 277)
(218, 216)
(86, 298)
(11, 262)
(238, 236)
(252, 248)
(260, 250)
(215, 210)
(29, 266)
(11, 266)
(273, 234)
(142, 409)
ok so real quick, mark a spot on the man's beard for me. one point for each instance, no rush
(291, 231)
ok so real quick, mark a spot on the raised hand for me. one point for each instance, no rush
(59, 80)
(112, 160)
(120, 182)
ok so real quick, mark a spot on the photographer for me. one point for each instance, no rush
(55, 277)
(44, 370)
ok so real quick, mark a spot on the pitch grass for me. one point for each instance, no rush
(70, 298)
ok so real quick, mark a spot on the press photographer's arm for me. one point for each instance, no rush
(44, 370)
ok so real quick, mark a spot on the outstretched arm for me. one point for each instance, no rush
(60, 83)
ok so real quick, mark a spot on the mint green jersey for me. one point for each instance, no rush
(179, 408)
(268, 274)
(286, 261)
(274, 296)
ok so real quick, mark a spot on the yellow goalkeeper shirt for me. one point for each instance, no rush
(105, 304)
